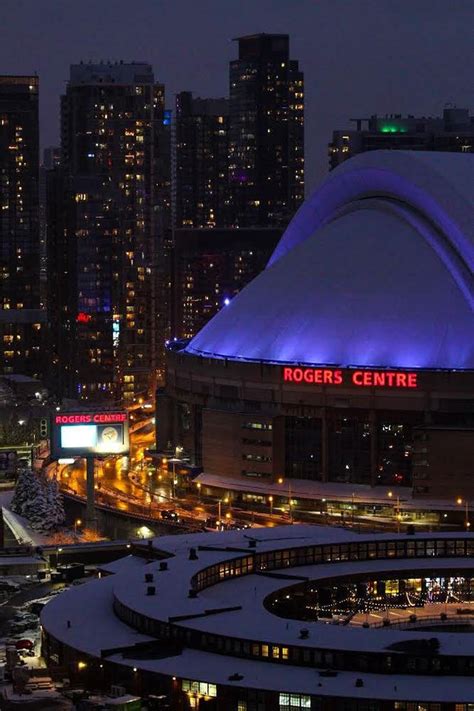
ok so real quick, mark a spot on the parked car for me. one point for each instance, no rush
(25, 647)
(24, 644)
(169, 515)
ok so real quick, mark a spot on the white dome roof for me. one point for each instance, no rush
(376, 269)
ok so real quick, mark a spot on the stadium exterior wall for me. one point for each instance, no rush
(253, 421)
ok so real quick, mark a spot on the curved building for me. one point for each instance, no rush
(294, 617)
(350, 358)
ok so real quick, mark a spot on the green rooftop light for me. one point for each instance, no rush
(390, 128)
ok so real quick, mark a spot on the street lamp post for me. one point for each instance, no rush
(219, 510)
(174, 481)
(290, 510)
(270, 500)
(460, 501)
(396, 509)
(77, 523)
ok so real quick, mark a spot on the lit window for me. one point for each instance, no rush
(289, 702)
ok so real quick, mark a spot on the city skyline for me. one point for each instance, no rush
(347, 72)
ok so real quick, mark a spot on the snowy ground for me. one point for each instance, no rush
(21, 529)
(39, 699)
(18, 524)
(18, 621)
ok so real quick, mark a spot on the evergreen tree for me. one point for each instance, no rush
(39, 500)
(25, 488)
(35, 507)
(55, 515)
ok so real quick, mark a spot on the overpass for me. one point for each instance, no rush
(141, 513)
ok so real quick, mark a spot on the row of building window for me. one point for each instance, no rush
(289, 702)
(256, 458)
(385, 663)
(251, 699)
(199, 687)
(255, 474)
(257, 426)
(311, 555)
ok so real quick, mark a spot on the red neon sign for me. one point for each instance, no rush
(97, 418)
(359, 378)
(83, 317)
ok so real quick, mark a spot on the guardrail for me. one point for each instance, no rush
(442, 618)
(135, 515)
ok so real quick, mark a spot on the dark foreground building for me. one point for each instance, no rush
(238, 621)
(350, 360)
(201, 150)
(108, 216)
(22, 319)
(210, 267)
(266, 132)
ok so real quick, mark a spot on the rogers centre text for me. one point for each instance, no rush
(97, 418)
(358, 378)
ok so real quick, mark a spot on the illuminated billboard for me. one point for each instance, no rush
(82, 434)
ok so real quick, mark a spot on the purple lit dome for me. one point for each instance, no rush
(375, 269)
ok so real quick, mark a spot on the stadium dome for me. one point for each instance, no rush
(375, 270)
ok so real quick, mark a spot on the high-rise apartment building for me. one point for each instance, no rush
(108, 214)
(51, 159)
(266, 134)
(201, 145)
(21, 317)
(211, 266)
(453, 132)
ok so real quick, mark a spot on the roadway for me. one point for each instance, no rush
(133, 485)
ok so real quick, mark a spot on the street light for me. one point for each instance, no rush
(174, 479)
(397, 509)
(270, 501)
(459, 501)
(290, 510)
(199, 489)
(77, 523)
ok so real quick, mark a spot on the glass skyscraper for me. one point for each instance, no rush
(266, 145)
(110, 203)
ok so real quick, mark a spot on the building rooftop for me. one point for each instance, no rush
(111, 73)
(100, 629)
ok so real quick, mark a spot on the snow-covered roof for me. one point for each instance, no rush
(101, 629)
(385, 243)
(328, 490)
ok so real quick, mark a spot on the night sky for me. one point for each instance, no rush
(359, 56)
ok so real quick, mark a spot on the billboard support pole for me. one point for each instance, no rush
(90, 506)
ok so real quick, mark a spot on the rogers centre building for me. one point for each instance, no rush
(350, 359)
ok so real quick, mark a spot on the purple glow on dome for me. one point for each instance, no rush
(446, 209)
(384, 281)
